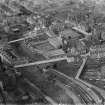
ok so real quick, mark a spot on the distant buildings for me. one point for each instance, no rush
(97, 51)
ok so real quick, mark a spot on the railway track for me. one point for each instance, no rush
(52, 99)
(89, 97)
(49, 99)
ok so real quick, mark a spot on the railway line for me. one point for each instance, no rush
(51, 100)
(93, 97)
(49, 46)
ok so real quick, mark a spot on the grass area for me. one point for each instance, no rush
(46, 86)
(69, 69)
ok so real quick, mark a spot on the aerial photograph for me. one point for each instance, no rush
(52, 52)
